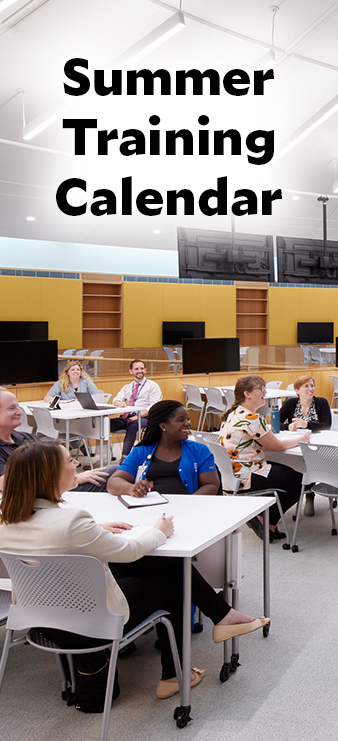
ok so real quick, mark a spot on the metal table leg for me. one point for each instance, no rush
(266, 569)
(182, 713)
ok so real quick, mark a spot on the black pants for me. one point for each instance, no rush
(154, 583)
(131, 429)
(150, 584)
(280, 477)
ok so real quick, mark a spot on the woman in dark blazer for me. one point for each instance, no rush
(306, 411)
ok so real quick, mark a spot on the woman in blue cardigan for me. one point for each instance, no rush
(166, 459)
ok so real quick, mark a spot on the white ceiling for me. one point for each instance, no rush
(34, 49)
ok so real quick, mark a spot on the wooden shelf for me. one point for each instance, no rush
(252, 309)
(102, 305)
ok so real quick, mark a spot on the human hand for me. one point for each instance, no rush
(166, 525)
(119, 403)
(299, 423)
(131, 419)
(93, 476)
(140, 488)
(115, 527)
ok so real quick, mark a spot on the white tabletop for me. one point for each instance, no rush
(293, 456)
(199, 521)
(74, 410)
(270, 393)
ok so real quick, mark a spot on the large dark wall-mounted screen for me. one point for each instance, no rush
(33, 361)
(213, 355)
(212, 255)
(23, 330)
(306, 261)
(174, 332)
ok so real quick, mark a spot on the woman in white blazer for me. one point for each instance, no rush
(31, 521)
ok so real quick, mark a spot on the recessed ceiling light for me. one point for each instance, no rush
(156, 231)
(295, 198)
(30, 218)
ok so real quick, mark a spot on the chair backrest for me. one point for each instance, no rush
(321, 463)
(214, 398)
(306, 351)
(206, 437)
(290, 387)
(101, 397)
(334, 420)
(80, 352)
(315, 354)
(178, 350)
(334, 380)
(63, 592)
(193, 396)
(44, 423)
(229, 395)
(24, 427)
(222, 460)
(96, 354)
(69, 352)
(273, 384)
(5, 603)
(170, 352)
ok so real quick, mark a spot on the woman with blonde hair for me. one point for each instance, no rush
(306, 411)
(246, 436)
(73, 378)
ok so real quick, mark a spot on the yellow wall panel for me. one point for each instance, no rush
(142, 312)
(147, 305)
(287, 306)
(56, 300)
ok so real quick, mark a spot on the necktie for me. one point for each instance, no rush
(132, 399)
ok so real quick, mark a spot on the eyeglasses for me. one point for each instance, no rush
(260, 388)
(309, 386)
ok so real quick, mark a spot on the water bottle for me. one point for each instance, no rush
(275, 420)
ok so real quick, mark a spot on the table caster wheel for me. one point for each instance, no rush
(334, 531)
(286, 546)
(225, 673)
(294, 518)
(198, 628)
(234, 663)
(334, 503)
(182, 717)
(295, 549)
(266, 630)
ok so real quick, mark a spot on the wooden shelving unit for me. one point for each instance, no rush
(252, 313)
(101, 310)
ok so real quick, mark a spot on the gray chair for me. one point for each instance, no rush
(306, 353)
(5, 596)
(214, 404)
(231, 484)
(45, 429)
(69, 352)
(194, 401)
(173, 358)
(69, 593)
(334, 380)
(321, 465)
(25, 427)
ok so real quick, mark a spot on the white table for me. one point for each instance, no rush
(72, 410)
(199, 523)
(293, 456)
(271, 394)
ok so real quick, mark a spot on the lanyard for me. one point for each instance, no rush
(138, 390)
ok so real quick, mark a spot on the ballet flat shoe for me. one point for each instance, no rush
(224, 632)
(276, 535)
(168, 689)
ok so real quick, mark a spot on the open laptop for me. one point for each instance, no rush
(87, 401)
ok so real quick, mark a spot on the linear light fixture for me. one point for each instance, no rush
(153, 39)
(316, 120)
(43, 121)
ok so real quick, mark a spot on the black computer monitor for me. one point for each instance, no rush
(174, 332)
(23, 331)
(34, 361)
(214, 355)
(314, 333)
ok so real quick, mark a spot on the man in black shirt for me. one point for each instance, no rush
(11, 438)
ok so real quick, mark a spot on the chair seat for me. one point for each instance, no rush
(325, 489)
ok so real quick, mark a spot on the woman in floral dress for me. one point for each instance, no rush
(246, 435)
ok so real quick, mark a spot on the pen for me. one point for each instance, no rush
(164, 516)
